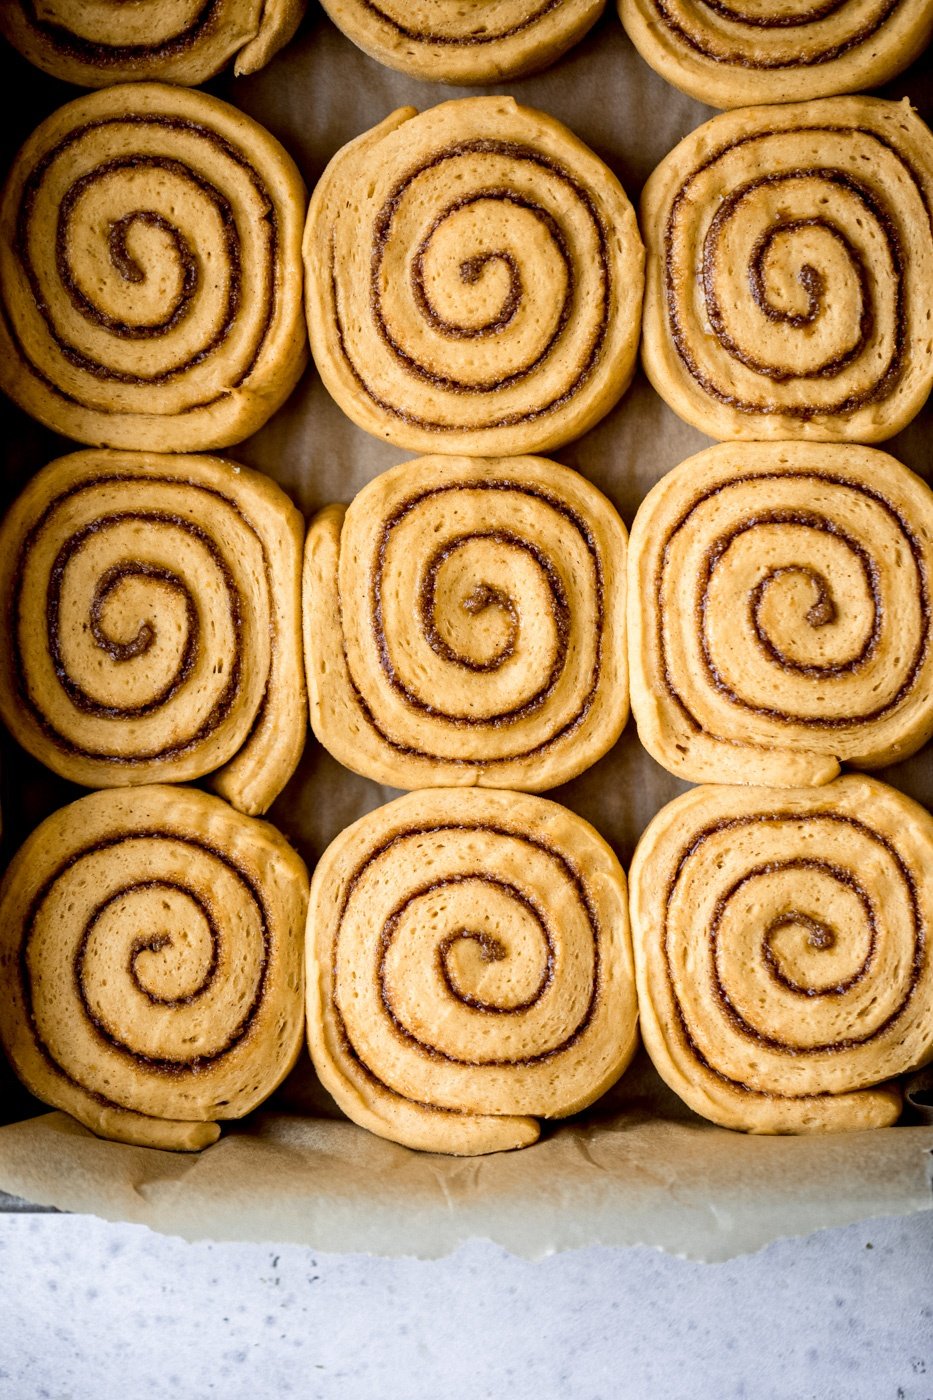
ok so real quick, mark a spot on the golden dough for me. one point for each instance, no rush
(469, 965)
(473, 280)
(743, 54)
(150, 957)
(781, 618)
(150, 271)
(780, 945)
(155, 623)
(465, 623)
(479, 41)
(790, 271)
(184, 41)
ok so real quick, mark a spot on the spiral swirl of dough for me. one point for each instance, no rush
(469, 964)
(474, 278)
(465, 623)
(781, 619)
(150, 273)
(150, 951)
(153, 608)
(448, 41)
(738, 53)
(790, 283)
(176, 41)
(781, 944)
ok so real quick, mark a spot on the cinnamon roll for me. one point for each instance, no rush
(790, 279)
(150, 273)
(781, 618)
(781, 951)
(465, 623)
(469, 966)
(481, 41)
(150, 958)
(153, 623)
(473, 280)
(741, 54)
(187, 41)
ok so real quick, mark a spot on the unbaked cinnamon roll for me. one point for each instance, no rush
(152, 627)
(183, 41)
(150, 961)
(465, 623)
(480, 41)
(790, 271)
(150, 273)
(469, 966)
(784, 977)
(473, 280)
(737, 53)
(781, 617)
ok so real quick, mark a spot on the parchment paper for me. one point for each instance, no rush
(638, 1167)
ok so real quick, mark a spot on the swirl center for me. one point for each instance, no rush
(119, 618)
(491, 644)
(465, 289)
(792, 938)
(121, 244)
(107, 590)
(463, 958)
(492, 274)
(499, 959)
(768, 249)
(449, 596)
(785, 600)
(169, 967)
(153, 276)
(779, 265)
(823, 944)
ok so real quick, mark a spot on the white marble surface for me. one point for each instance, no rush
(92, 1311)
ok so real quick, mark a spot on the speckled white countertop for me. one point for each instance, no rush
(92, 1311)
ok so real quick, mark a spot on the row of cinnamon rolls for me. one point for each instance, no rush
(472, 276)
(468, 962)
(468, 621)
(724, 54)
